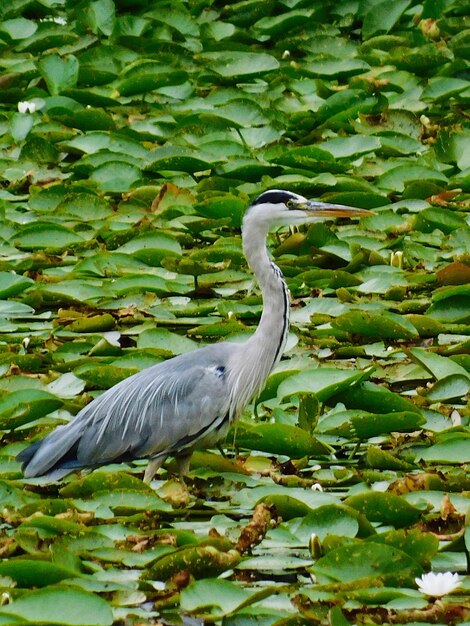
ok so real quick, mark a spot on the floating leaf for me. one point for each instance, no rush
(146, 76)
(70, 607)
(450, 304)
(398, 177)
(279, 439)
(223, 594)
(25, 405)
(439, 366)
(166, 340)
(60, 73)
(381, 459)
(347, 147)
(421, 546)
(327, 519)
(115, 176)
(386, 508)
(180, 159)
(239, 64)
(35, 573)
(42, 235)
(376, 399)
(380, 18)
(151, 248)
(125, 501)
(370, 563)
(452, 449)
(443, 219)
(451, 387)
(324, 382)
(366, 426)
(11, 284)
(384, 325)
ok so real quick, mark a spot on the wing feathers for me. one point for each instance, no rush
(153, 412)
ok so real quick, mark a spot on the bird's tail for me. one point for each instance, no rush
(55, 453)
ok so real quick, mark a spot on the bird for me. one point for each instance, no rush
(189, 401)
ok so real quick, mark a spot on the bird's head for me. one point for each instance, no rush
(277, 207)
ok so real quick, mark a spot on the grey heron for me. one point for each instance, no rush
(189, 401)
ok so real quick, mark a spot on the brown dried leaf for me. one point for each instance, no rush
(253, 533)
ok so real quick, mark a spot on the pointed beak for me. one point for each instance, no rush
(325, 209)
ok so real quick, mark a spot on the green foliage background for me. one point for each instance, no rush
(145, 128)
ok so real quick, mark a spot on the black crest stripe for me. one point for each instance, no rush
(274, 197)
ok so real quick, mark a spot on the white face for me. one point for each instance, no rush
(277, 207)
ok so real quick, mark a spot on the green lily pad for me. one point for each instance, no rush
(452, 449)
(151, 248)
(146, 75)
(179, 159)
(451, 387)
(25, 405)
(366, 426)
(384, 325)
(386, 508)
(11, 284)
(380, 18)
(115, 176)
(381, 459)
(367, 562)
(220, 593)
(443, 219)
(59, 72)
(439, 366)
(202, 561)
(374, 398)
(70, 607)
(324, 382)
(421, 546)
(35, 573)
(327, 519)
(43, 235)
(279, 439)
(398, 177)
(450, 304)
(127, 501)
(165, 340)
(239, 64)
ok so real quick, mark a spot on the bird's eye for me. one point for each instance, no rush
(290, 204)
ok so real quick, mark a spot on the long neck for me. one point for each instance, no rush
(264, 349)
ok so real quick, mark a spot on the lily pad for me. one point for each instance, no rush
(42, 235)
(385, 325)
(386, 508)
(70, 607)
(368, 563)
(324, 382)
(11, 284)
(240, 64)
(35, 573)
(25, 405)
(280, 439)
(151, 248)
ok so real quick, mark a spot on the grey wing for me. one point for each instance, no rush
(165, 413)
(164, 409)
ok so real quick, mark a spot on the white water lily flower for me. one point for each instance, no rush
(26, 107)
(437, 585)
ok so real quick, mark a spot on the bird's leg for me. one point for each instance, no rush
(153, 466)
(183, 465)
(221, 450)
